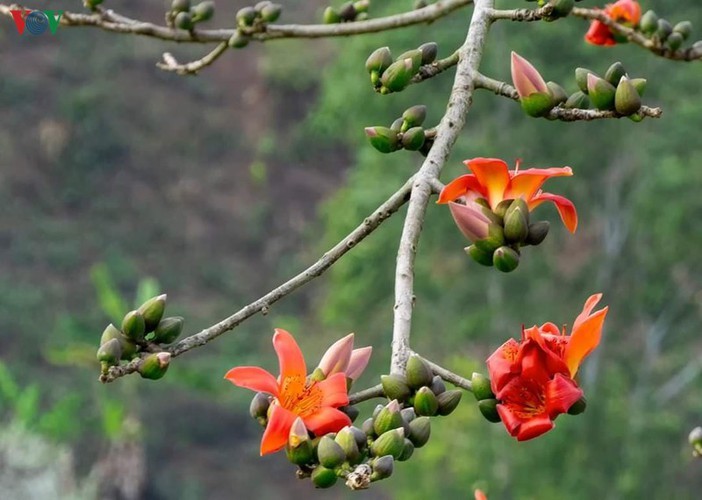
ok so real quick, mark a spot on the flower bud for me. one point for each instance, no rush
(152, 311)
(408, 414)
(418, 372)
(383, 139)
(398, 75)
(414, 116)
(239, 40)
(601, 92)
(128, 347)
(649, 22)
(382, 467)
(180, 5)
(494, 240)
(537, 232)
(331, 16)
(390, 443)
(501, 208)
(663, 30)
(695, 439)
(488, 407)
(558, 93)
(578, 100)
(258, 409)
(420, 430)
(323, 477)
(367, 427)
(203, 11)
(437, 385)
(425, 402)
(413, 139)
(299, 448)
(388, 418)
(168, 330)
(110, 352)
(480, 385)
(429, 51)
(379, 60)
(347, 11)
(260, 5)
(537, 104)
(615, 73)
(578, 407)
(397, 125)
(415, 55)
(361, 6)
(378, 408)
(271, 12)
(395, 387)
(246, 16)
(133, 326)
(675, 41)
(640, 85)
(448, 401)
(479, 256)
(154, 366)
(505, 259)
(330, 454)
(684, 28)
(360, 437)
(183, 21)
(626, 100)
(581, 78)
(346, 439)
(517, 221)
(561, 8)
(407, 451)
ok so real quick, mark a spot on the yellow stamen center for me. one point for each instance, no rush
(299, 397)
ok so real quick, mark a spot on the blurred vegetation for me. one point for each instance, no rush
(220, 186)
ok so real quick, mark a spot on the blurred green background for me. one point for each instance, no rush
(118, 180)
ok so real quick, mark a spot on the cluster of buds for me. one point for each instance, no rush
(388, 75)
(92, 4)
(663, 32)
(252, 20)
(405, 133)
(141, 330)
(560, 8)
(615, 91)
(695, 439)
(487, 403)
(347, 12)
(185, 16)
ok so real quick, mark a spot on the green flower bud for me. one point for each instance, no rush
(649, 22)
(414, 116)
(479, 256)
(413, 139)
(378, 408)
(382, 467)
(346, 439)
(675, 41)
(505, 259)
(425, 402)
(133, 326)
(640, 85)
(601, 92)
(180, 5)
(383, 139)
(379, 60)
(636, 117)
(537, 232)
(330, 454)
(260, 5)
(488, 407)
(558, 93)
(154, 366)
(420, 430)
(561, 8)
(258, 409)
(537, 104)
(239, 40)
(203, 11)
(578, 407)
(361, 6)
(347, 12)
(517, 221)
(437, 385)
(501, 208)
(578, 100)
(663, 30)
(626, 100)
(415, 55)
(168, 330)
(93, 3)
(695, 438)
(367, 427)
(152, 311)
(448, 401)
(183, 21)
(299, 449)
(331, 16)
(271, 12)
(323, 477)
(480, 386)
(581, 78)
(684, 28)
(388, 418)
(615, 73)
(397, 125)
(246, 16)
(418, 372)
(360, 437)
(110, 352)
(429, 51)
(128, 347)
(389, 443)
(395, 387)
(407, 451)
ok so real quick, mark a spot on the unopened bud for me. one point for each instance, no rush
(388, 418)
(379, 60)
(558, 93)
(203, 11)
(258, 409)
(395, 387)
(418, 372)
(397, 125)
(480, 256)
(152, 311)
(649, 22)
(601, 92)
(581, 78)
(239, 40)
(663, 30)
(420, 430)
(110, 352)
(133, 326)
(640, 85)
(330, 454)
(429, 51)
(578, 407)
(383, 139)
(437, 385)
(537, 232)
(183, 21)
(128, 347)
(398, 75)
(154, 366)
(516, 219)
(347, 11)
(505, 259)
(323, 477)
(448, 401)
(561, 8)
(390, 443)
(360, 436)
(347, 441)
(271, 12)
(367, 427)
(577, 100)
(408, 414)
(180, 5)
(331, 16)
(246, 16)
(537, 104)
(695, 438)
(414, 116)
(299, 448)
(361, 6)
(382, 467)
(675, 41)
(415, 55)
(488, 407)
(684, 28)
(407, 451)
(168, 330)
(480, 385)
(626, 99)
(413, 139)
(425, 402)
(615, 73)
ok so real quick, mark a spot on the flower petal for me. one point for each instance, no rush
(254, 378)
(327, 420)
(584, 340)
(534, 427)
(470, 220)
(502, 364)
(561, 393)
(526, 79)
(509, 419)
(358, 362)
(526, 183)
(460, 186)
(493, 175)
(565, 208)
(292, 363)
(599, 34)
(334, 390)
(277, 430)
(590, 304)
(336, 358)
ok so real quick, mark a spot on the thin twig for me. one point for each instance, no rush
(450, 126)
(522, 14)
(263, 304)
(171, 64)
(430, 70)
(372, 392)
(448, 375)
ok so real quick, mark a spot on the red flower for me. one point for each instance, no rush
(534, 379)
(491, 179)
(626, 12)
(295, 396)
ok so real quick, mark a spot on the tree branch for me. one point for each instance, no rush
(448, 375)
(170, 63)
(263, 304)
(522, 15)
(431, 70)
(372, 392)
(450, 126)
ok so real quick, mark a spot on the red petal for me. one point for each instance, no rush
(277, 430)
(534, 427)
(458, 187)
(327, 420)
(538, 362)
(584, 340)
(565, 208)
(599, 34)
(254, 378)
(526, 183)
(292, 363)
(502, 364)
(334, 390)
(509, 419)
(493, 175)
(561, 393)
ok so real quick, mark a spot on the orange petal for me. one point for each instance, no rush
(584, 339)
(526, 183)
(460, 186)
(480, 495)
(292, 363)
(590, 304)
(277, 430)
(565, 208)
(254, 378)
(334, 390)
(327, 420)
(493, 175)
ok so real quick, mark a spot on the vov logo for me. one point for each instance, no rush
(36, 22)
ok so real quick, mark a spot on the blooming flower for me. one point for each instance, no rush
(480, 495)
(533, 379)
(316, 402)
(341, 357)
(491, 179)
(626, 12)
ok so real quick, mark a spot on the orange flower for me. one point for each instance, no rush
(626, 12)
(480, 495)
(491, 179)
(295, 396)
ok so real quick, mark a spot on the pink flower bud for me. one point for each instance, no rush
(526, 79)
(337, 357)
(470, 220)
(358, 362)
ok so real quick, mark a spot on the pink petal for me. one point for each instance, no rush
(470, 220)
(254, 378)
(292, 363)
(336, 358)
(327, 420)
(280, 421)
(358, 362)
(526, 79)
(334, 390)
